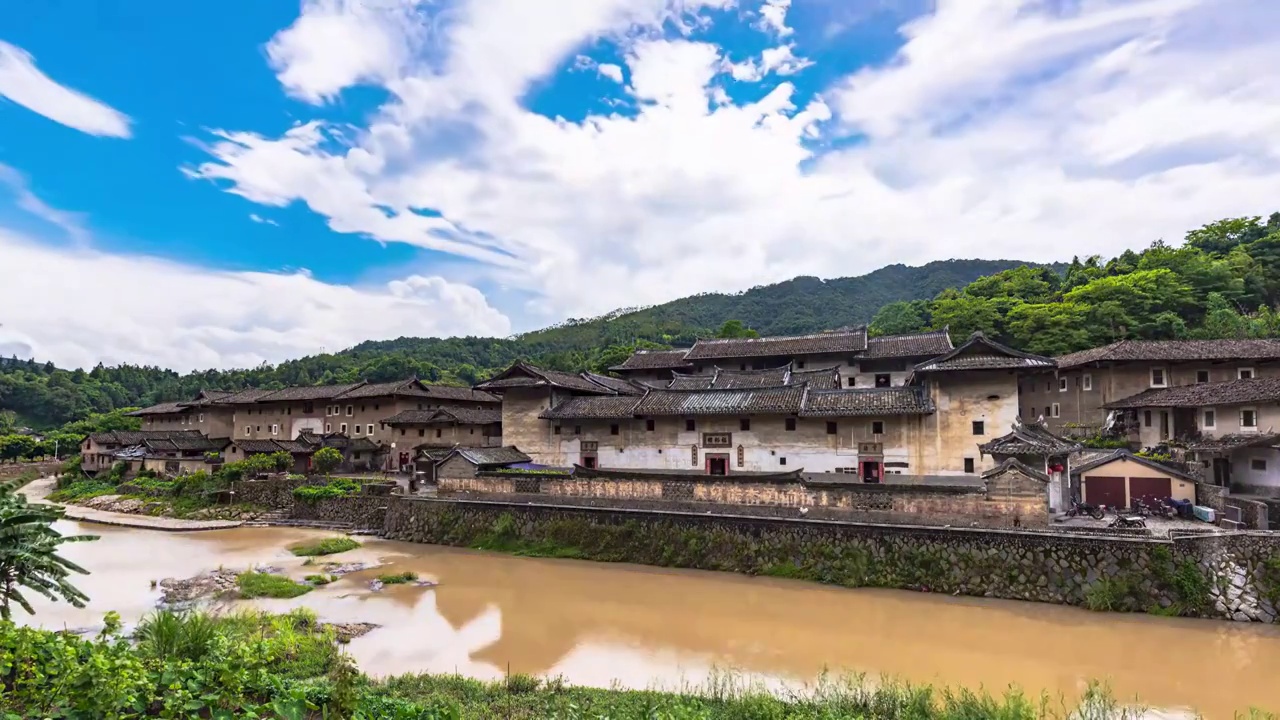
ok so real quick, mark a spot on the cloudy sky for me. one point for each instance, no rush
(198, 189)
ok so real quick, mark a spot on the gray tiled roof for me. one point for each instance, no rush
(261, 446)
(690, 382)
(1234, 441)
(908, 400)
(618, 385)
(821, 379)
(1126, 455)
(1175, 350)
(928, 344)
(523, 374)
(469, 416)
(654, 360)
(1015, 464)
(981, 353)
(1029, 438)
(137, 437)
(493, 456)
(849, 341)
(244, 397)
(593, 406)
(312, 392)
(160, 409)
(415, 388)
(776, 400)
(739, 379)
(1230, 392)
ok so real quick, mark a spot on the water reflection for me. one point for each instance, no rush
(597, 624)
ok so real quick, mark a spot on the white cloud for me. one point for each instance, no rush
(23, 83)
(1002, 128)
(146, 310)
(611, 71)
(261, 220)
(70, 223)
(773, 15)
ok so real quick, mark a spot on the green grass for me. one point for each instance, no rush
(398, 578)
(82, 490)
(320, 579)
(327, 546)
(259, 585)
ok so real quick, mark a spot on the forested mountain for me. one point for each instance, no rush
(1223, 281)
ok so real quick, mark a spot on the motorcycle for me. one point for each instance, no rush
(1079, 508)
(1128, 521)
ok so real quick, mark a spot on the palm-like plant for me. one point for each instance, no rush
(28, 553)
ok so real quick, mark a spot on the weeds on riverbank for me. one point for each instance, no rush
(398, 578)
(327, 546)
(259, 585)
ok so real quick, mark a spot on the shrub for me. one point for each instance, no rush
(165, 634)
(326, 460)
(83, 490)
(257, 585)
(336, 488)
(327, 546)
(398, 578)
(320, 579)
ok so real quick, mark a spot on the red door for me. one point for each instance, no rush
(1101, 490)
(1151, 490)
(717, 464)
(871, 471)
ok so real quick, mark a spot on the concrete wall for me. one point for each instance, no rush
(522, 427)
(213, 422)
(1244, 478)
(1044, 567)
(465, 435)
(917, 504)
(948, 436)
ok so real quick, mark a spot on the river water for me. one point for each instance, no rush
(601, 624)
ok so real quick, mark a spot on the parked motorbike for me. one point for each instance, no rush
(1128, 521)
(1164, 510)
(1139, 508)
(1079, 508)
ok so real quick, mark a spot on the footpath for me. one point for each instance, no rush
(38, 491)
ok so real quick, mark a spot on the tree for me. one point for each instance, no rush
(14, 447)
(28, 553)
(1219, 238)
(281, 460)
(966, 315)
(900, 318)
(735, 329)
(326, 460)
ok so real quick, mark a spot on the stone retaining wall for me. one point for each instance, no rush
(364, 512)
(1221, 576)
(1253, 513)
(917, 504)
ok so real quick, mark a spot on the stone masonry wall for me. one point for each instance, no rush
(364, 512)
(1233, 576)
(918, 504)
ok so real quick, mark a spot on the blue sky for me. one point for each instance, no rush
(275, 178)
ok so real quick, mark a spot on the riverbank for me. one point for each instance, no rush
(289, 666)
(39, 491)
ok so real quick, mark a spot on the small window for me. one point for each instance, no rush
(613, 429)
(744, 424)
(351, 410)
(1062, 384)
(884, 380)
(689, 425)
(555, 430)
(248, 431)
(1202, 376)
(275, 429)
(1248, 419)
(375, 406)
(1157, 378)
(831, 428)
(1258, 464)
(968, 465)
(577, 429)
(853, 381)
(649, 425)
(1146, 418)
(342, 428)
(1209, 419)
(1088, 382)
(422, 432)
(877, 427)
(328, 427)
(308, 408)
(258, 428)
(799, 366)
(439, 432)
(369, 431)
(1244, 373)
(362, 408)
(288, 410)
(789, 424)
(357, 430)
(782, 460)
(201, 418)
(979, 427)
(1055, 410)
(742, 366)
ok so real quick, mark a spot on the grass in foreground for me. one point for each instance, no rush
(260, 585)
(398, 578)
(327, 546)
(289, 667)
(320, 579)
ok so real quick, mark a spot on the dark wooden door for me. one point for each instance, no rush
(871, 471)
(717, 465)
(1222, 472)
(1150, 490)
(1102, 490)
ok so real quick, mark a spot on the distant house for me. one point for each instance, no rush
(358, 454)
(415, 430)
(99, 450)
(465, 462)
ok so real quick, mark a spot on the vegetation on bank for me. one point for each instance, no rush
(327, 546)
(29, 559)
(398, 578)
(266, 585)
(334, 488)
(257, 665)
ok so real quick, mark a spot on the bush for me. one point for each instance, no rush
(257, 585)
(82, 490)
(339, 487)
(320, 579)
(398, 578)
(327, 546)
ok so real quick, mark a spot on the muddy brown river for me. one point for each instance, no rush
(600, 624)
